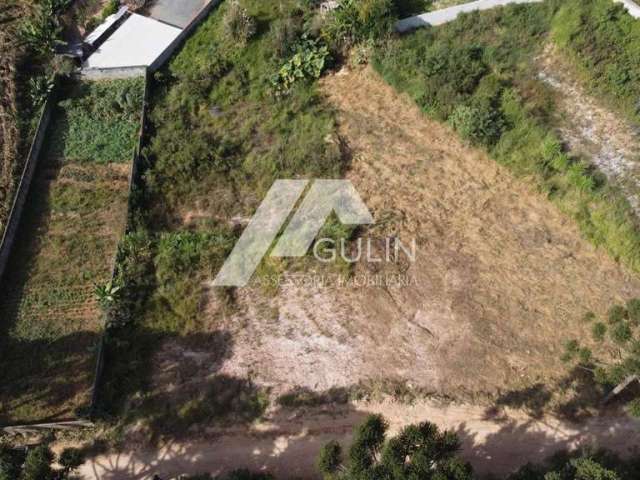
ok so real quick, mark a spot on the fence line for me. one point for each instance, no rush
(133, 176)
(20, 198)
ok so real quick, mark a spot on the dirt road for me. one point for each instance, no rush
(497, 442)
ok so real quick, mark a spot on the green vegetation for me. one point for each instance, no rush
(360, 20)
(41, 30)
(423, 451)
(222, 133)
(615, 359)
(98, 121)
(308, 62)
(221, 127)
(478, 74)
(36, 463)
(418, 451)
(604, 42)
(30, 31)
(65, 247)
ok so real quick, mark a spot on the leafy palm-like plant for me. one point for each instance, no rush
(107, 294)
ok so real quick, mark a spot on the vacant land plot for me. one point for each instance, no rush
(499, 272)
(75, 215)
(503, 275)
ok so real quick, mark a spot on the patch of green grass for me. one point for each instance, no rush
(481, 67)
(221, 127)
(98, 121)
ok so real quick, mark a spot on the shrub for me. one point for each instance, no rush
(284, 34)
(357, 20)
(481, 124)
(330, 458)
(633, 311)
(110, 8)
(621, 333)
(307, 63)
(71, 459)
(616, 314)
(239, 26)
(37, 465)
(598, 331)
(634, 408)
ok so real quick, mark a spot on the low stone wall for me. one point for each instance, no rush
(22, 191)
(113, 73)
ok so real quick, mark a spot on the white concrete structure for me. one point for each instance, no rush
(104, 26)
(446, 15)
(632, 7)
(137, 42)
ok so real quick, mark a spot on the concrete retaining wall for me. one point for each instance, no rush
(113, 73)
(22, 191)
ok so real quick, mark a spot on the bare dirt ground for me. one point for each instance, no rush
(592, 130)
(287, 445)
(501, 279)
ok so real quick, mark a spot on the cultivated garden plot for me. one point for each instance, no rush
(75, 214)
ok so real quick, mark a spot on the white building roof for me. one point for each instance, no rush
(104, 26)
(137, 42)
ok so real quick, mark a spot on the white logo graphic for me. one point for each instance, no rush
(324, 197)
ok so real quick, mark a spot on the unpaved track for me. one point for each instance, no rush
(288, 447)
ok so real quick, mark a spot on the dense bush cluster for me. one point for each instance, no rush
(36, 463)
(418, 451)
(422, 451)
(359, 20)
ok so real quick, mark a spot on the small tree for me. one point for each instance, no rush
(419, 451)
(71, 459)
(37, 465)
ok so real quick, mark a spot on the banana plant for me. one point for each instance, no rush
(107, 294)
